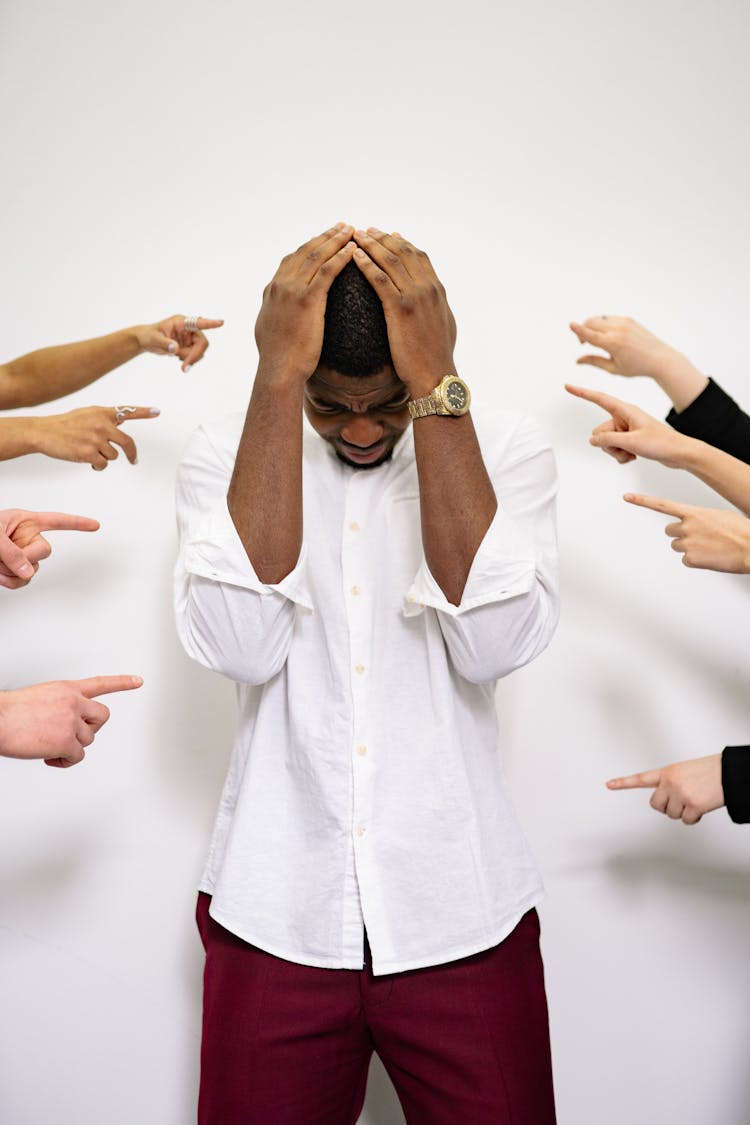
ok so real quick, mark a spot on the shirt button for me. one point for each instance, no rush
(356, 591)
(354, 526)
(360, 830)
(359, 669)
(361, 750)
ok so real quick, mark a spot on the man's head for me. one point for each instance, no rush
(355, 400)
(355, 338)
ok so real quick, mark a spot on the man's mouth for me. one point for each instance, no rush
(359, 455)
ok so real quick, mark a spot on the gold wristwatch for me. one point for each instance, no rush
(451, 396)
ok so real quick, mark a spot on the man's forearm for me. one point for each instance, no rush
(53, 372)
(265, 492)
(457, 500)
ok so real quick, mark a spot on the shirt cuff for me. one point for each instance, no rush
(735, 780)
(217, 553)
(503, 567)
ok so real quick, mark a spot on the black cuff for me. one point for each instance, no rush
(735, 780)
(707, 416)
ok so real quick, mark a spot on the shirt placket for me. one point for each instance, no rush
(358, 601)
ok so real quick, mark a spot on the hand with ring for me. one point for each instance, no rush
(90, 434)
(181, 336)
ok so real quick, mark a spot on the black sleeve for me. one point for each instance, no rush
(715, 418)
(735, 780)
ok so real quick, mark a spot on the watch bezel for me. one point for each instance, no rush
(440, 393)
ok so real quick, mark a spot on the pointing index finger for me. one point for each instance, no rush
(61, 521)
(649, 779)
(607, 402)
(656, 504)
(103, 685)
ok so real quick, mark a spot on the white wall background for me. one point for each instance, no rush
(556, 161)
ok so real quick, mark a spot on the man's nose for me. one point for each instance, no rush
(362, 430)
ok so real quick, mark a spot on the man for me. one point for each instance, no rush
(365, 584)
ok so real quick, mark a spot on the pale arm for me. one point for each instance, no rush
(634, 351)
(50, 373)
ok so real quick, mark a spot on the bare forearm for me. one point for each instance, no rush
(19, 436)
(678, 378)
(720, 471)
(265, 493)
(457, 499)
(53, 372)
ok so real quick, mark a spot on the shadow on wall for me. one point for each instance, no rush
(648, 866)
(197, 719)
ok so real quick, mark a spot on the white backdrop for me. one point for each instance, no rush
(556, 161)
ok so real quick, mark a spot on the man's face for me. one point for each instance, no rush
(362, 417)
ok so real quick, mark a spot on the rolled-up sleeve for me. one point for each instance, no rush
(227, 619)
(509, 606)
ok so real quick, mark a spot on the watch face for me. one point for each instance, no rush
(456, 395)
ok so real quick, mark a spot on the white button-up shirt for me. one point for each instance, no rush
(365, 787)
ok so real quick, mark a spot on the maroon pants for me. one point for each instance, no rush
(287, 1044)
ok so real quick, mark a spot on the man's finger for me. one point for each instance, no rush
(102, 685)
(378, 278)
(374, 243)
(649, 779)
(316, 256)
(61, 521)
(14, 559)
(655, 504)
(329, 270)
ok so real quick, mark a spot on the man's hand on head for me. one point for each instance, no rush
(421, 326)
(289, 328)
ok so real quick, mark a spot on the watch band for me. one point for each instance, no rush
(421, 407)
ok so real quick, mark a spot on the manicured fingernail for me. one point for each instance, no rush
(186, 367)
(154, 410)
(374, 230)
(359, 253)
(172, 348)
(629, 496)
(360, 234)
(26, 570)
(137, 681)
(341, 226)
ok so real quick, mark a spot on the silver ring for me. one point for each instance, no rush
(122, 412)
(191, 323)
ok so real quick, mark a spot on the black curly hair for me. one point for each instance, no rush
(355, 340)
